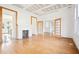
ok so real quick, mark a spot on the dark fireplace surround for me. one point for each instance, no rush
(25, 34)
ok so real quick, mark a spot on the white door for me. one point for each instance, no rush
(40, 27)
(34, 26)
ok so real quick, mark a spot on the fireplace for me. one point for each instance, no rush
(25, 34)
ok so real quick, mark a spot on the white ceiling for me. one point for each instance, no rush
(41, 9)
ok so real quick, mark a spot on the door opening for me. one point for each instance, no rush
(34, 25)
(57, 27)
(40, 27)
(8, 24)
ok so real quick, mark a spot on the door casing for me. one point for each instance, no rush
(2, 23)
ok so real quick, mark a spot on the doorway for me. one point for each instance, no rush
(48, 27)
(34, 25)
(7, 27)
(8, 24)
(57, 27)
(40, 27)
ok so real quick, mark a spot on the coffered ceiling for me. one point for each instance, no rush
(41, 9)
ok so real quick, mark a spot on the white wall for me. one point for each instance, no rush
(67, 18)
(23, 19)
(76, 27)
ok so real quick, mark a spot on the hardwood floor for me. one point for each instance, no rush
(40, 44)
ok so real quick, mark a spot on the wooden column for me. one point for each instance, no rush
(0, 24)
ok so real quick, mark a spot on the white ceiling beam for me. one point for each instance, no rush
(44, 7)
